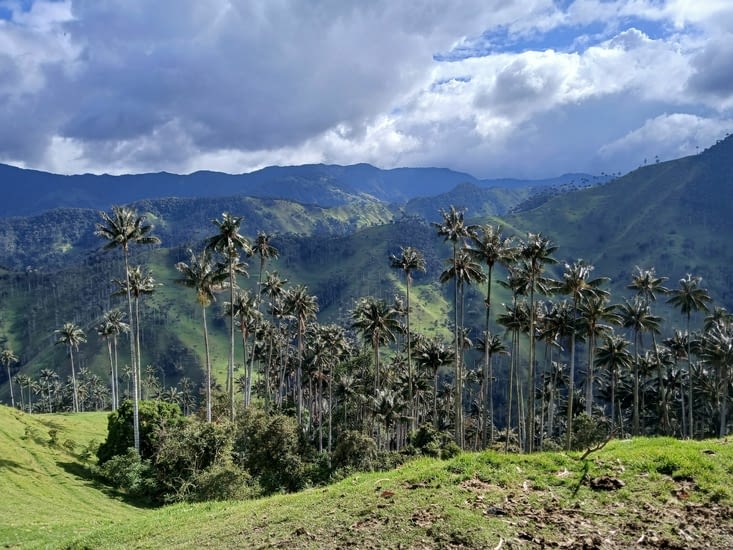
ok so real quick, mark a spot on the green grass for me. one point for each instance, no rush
(674, 493)
(47, 493)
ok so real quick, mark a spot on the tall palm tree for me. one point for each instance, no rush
(432, 354)
(490, 345)
(637, 316)
(646, 285)
(203, 276)
(108, 330)
(122, 229)
(717, 350)
(576, 283)
(229, 242)
(614, 355)
(263, 248)
(409, 260)
(688, 298)
(71, 335)
(244, 310)
(536, 254)
(453, 228)
(7, 358)
(464, 270)
(487, 245)
(302, 307)
(597, 316)
(379, 324)
(139, 283)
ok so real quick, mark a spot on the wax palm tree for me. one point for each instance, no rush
(379, 324)
(453, 228)
(71, 335)
(24, 381)
(203, 276)
(230, 243)
(409, 260)
(597, 316)
(647, 285)
(488, 246)
(688, 298)
(717, 350)
(302, 307)
(263, 248)
(576, 283)
(614, 355)
(244, 310)
(139, 283)
(490, 345)
(122, 229)
(464, 270)
(637, 316)
(431, 355)
(536, 254)
(7, 358)
(113, 324)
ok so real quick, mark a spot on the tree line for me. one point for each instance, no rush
(558, 359)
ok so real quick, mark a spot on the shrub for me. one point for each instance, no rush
(152, 415)
(132, 474)
(268, 447)
(355, 451)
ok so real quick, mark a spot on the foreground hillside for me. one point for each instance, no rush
(655, 493)
(47, 494)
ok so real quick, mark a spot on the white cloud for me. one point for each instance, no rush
(118, 86)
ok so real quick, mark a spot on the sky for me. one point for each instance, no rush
(495, 88)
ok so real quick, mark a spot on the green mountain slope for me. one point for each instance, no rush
(47, 493)
(676, 216)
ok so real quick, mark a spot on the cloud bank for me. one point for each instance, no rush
(495, 88)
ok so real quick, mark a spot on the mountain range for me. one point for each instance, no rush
(675, 216)
(31, 192)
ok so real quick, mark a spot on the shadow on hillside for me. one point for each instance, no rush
(11, 465)
(91, 480)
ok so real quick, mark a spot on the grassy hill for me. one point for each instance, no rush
(655, 493)
(47, 493)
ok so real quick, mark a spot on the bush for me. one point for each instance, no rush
(430, 442)
(120, 437)
(588, 431)
(268, 447)
(128, 472)
(355, 451)
(194, 462)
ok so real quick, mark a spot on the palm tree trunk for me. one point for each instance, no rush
(75, 395)
(10, 383)
(691, 420)
(230, 371)
(208, 366)
(111, 373)
(571, 381)
(410, 390)
(133, 356)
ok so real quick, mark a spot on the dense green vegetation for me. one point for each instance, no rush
(662, 492)
(240, 363)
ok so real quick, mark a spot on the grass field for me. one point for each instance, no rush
(656, 493)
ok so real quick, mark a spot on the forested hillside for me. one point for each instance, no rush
(630, 335)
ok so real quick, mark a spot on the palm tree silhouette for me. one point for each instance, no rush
(229, 242)
(409, 261)
(71, 335)
(688, 298)
(203, 276)
(124, 228)
(7, 358)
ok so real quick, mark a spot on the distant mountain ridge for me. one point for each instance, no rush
(29, 192)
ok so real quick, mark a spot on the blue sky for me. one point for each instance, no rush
(496, 88)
